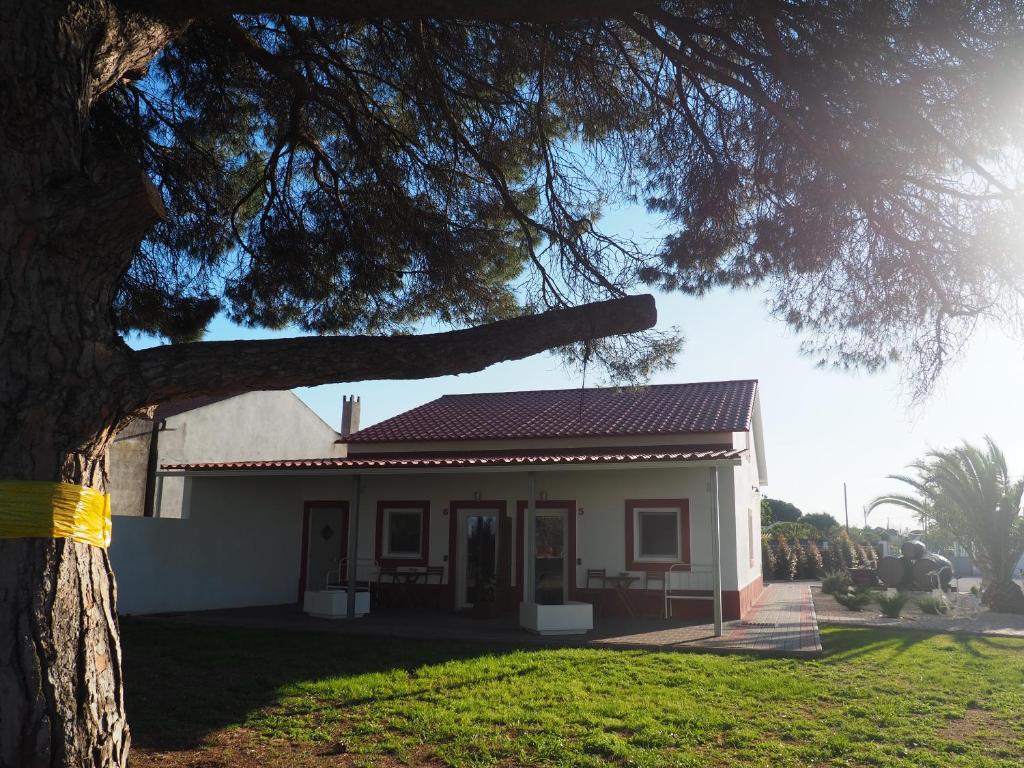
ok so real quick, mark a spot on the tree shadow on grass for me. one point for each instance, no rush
(849, 643)
(185, 682)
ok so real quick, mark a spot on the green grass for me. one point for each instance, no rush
(876, 698)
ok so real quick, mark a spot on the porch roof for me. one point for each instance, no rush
(483, 459)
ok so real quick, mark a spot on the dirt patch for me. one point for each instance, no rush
(240, 748)
(979, 726)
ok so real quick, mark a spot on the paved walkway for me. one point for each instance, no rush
(782, 623)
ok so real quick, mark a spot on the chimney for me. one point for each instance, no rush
(349, 415)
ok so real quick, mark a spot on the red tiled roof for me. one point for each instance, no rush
(702, 407)
(627, 455)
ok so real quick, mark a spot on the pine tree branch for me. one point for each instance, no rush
(226, 367)
(359, 10)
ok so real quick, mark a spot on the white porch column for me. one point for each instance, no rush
(530, 526)
(716, 553)
(353, 546)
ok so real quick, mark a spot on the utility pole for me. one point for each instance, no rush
(846, 508)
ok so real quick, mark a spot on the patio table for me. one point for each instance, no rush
(620, 585)
(406, 579)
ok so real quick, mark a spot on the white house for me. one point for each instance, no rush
(622, 484)
(254, 425)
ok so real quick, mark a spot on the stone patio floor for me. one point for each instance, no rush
(781, 623)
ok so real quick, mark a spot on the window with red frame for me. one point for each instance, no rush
(402, 528)
(657, 533)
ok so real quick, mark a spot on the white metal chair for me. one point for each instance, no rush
(367, 574)
(688, 581)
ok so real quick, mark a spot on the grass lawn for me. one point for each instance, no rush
(221, 698)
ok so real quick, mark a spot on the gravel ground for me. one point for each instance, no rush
(1002, 624)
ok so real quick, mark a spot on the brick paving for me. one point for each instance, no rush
(781, 623)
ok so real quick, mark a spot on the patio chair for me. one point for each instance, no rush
(655, 579)
(387, 575)
(435, 571)
(599, 575)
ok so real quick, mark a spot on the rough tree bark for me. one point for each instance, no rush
(72, 212)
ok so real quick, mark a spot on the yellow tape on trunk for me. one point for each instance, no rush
(40, 510)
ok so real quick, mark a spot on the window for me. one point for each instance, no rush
(657, 533)
(402, 528)
(750, 535)
(402, 533)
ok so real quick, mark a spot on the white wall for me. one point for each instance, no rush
(240, 547)
(747, 502)
(242, 542)
(128, 460)
(251, 426)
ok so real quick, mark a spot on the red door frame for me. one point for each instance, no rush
(454, 507)
(306, 507)
(569, 505)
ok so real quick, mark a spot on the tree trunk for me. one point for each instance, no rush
(61, 692)
(72, 213)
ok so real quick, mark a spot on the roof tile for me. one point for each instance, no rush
(701, 407)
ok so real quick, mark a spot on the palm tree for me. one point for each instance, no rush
(968, 491)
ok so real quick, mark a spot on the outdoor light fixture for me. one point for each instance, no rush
(476, 495)
(445, 511)
(543, 496)
(580, 511)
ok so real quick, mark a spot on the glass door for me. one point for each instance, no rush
(478, 571)
(550, 566)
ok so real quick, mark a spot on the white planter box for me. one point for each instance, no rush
(567, 619)
(333, 603)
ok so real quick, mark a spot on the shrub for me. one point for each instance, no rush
(866, 555)
(935, 606)
(847, 550)
(783, 559)
(797, 553)
(835, 582)
(814, 567)
(794, 531)
(768, 562)
(892, 604)
(854, 601)
(793, 564)
(831, 559)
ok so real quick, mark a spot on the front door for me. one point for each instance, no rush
(477, 569)
(325, 530)
(551, 564)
